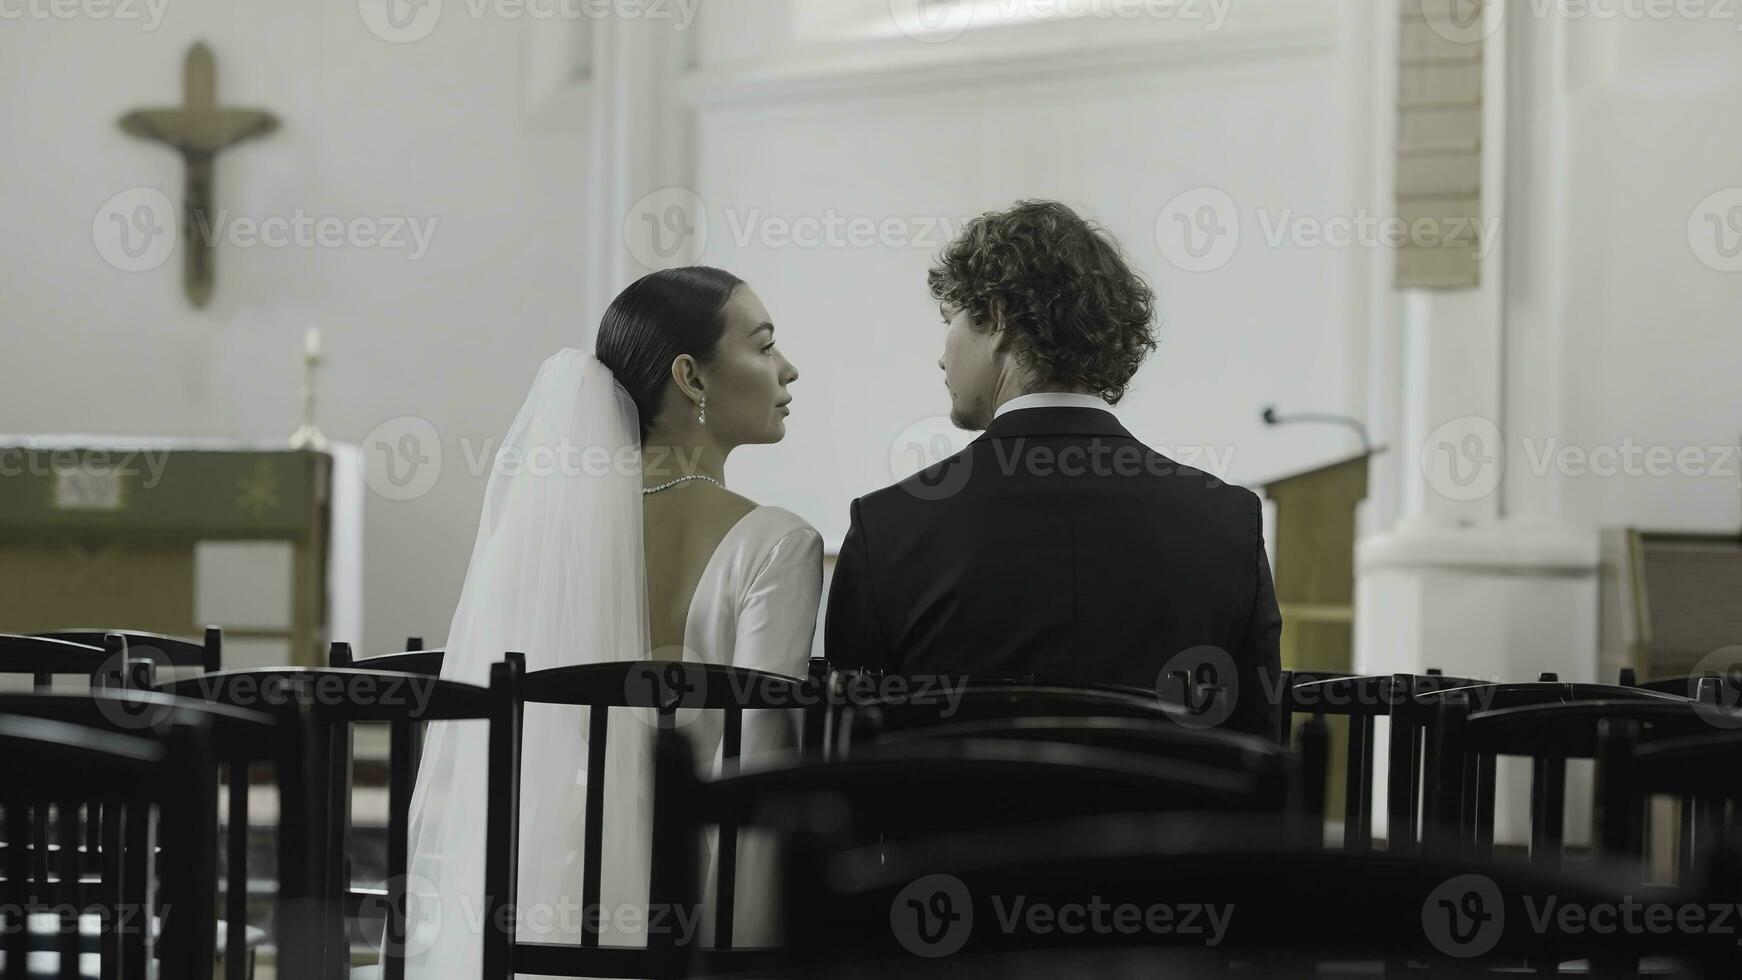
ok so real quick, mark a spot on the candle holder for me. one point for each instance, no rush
(309, 436)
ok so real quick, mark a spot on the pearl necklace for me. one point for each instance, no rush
(682, 479)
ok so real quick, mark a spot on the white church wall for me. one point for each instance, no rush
(812, 123)
(467, 130)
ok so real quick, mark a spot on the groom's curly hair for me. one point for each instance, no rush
(1059, 287)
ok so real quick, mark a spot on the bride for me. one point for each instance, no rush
(607, 534)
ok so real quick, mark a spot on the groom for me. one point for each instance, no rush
(1056, 545)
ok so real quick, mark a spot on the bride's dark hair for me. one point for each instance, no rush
(662, 315)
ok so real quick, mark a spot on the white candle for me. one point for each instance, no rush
(312, 342)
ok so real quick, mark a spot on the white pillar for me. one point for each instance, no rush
(1482, 574)
(641, 143)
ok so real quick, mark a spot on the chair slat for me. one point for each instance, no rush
(399, 787)
(236, 864)
(66, 902)
(19, 902)
(598, 723)
(726, 866)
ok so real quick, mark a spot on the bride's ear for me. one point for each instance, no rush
(686, 376)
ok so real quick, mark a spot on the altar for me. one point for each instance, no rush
(174, 535)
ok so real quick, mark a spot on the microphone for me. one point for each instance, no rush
(1272, 418)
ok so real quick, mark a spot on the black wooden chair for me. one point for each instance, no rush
(139, 792)
(943, 907)
(1463, 798)
(1420, 717)
(240, 739)
(1702, 771)
(365, 902)
(1729, 691)
(417, 660)
(927, 702)
(916, 788)
(1265, 761)
(665, 688)
(409, 661)
(102, 664)
(167, 652)
(333, 701)
(1362, 699)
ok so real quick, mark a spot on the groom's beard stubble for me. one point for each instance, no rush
(972, 418)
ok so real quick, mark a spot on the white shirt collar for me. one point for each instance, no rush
(1052, 399)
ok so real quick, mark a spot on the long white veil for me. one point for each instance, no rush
(556, 573)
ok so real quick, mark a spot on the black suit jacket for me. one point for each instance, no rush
(1057, 545)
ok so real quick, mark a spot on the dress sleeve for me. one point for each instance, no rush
(776, 625)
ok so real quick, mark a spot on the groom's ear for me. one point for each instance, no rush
(1001, 338)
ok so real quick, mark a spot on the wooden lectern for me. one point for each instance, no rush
(1315, 562)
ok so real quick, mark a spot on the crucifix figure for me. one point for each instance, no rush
(198, 130)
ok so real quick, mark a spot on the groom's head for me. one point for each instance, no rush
(1037, 299)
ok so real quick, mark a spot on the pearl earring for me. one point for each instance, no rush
(702, 416)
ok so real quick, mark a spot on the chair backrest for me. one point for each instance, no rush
(1702, 770)
(1548, 733)
(1362, 699)
(410, 662)
(1288, 705)
(1415, 723)
(1496, 697)
(1688, 686)
(333, 700)
(240, 737)
(665, 688)
(927, 702)
(901, 791)
(1245, 905)
(206, 654)
(104, 664)
(1262, 759)
(140, 792)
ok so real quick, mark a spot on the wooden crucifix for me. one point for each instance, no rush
(199, 130)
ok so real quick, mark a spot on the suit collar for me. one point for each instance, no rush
(1030, 422)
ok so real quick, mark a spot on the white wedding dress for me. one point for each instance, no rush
(558, 573)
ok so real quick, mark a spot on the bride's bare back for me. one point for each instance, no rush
(681, 528)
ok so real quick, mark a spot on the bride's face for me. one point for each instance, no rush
(747, 379)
